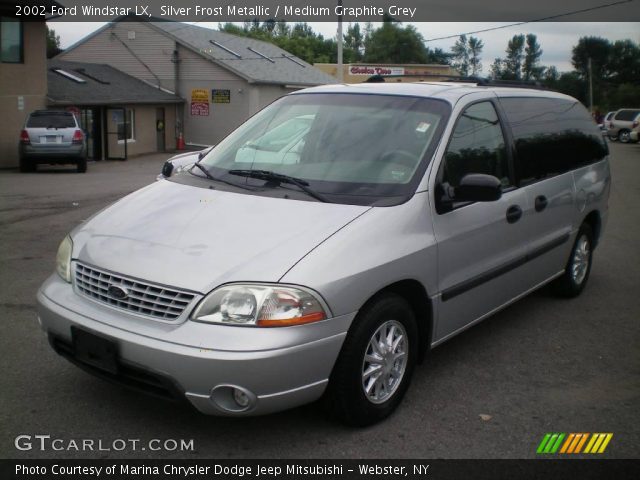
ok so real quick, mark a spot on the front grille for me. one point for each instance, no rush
(144, 299)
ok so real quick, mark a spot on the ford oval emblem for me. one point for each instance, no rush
(117, 292)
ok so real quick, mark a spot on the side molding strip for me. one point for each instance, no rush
(489, 275)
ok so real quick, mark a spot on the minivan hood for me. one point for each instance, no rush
(196, 238)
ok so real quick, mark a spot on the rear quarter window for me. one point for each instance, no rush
(51, 120)
(626, 115)
(552, 136)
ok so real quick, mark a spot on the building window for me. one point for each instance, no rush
(126, 131)
(11, 41)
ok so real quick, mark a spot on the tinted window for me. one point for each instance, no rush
(477, 146)
(626, 115)
(51, 120)
(552, 136)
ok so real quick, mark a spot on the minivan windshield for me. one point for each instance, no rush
(350, 148)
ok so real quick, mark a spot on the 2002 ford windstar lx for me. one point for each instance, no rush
(371, 223)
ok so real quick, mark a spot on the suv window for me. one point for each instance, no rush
(626, 115)
(51, 120)
(552, 136)
(477, 146)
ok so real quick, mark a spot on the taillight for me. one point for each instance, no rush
(77, 136)
(24, 137)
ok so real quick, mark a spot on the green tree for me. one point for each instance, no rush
(624, 62)
(53, 43)
(598, 50)
(439, 56)
(392, 43)
(512, 65)
(353, 44)
(497, 69)
(531, 69)
(475, 50)
(460, 56)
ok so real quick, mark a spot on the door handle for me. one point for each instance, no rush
(514, 212)
(541, 203)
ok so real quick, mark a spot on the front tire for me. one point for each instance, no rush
(578, 268)
(375, 365)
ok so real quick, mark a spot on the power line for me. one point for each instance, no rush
(544, 19)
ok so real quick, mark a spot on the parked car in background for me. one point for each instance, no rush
(621, 124)
(607, 119)
(183, 161)
(411, 213)
(52, 137)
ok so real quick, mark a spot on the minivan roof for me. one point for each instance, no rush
(450, 91)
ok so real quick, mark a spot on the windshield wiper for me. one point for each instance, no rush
(280, 178)
(216, 179)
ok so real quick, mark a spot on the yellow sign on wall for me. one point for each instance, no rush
(200, 95)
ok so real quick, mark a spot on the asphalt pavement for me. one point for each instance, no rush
(541, 365)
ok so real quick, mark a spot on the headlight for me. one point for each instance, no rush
(63, 259)
(259, 305)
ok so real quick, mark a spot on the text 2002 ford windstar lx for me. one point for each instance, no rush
(371, 223)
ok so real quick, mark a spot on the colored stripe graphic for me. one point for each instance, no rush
(550, 443)
(574, 442)
(598, 443)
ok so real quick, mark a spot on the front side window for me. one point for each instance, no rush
(11, 44)
(362, 148)
(477, 146)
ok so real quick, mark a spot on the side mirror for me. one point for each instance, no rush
(167, 169)
(478, 187)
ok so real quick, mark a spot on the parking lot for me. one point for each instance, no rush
(542, 365)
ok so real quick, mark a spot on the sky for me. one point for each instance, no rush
(556, 38)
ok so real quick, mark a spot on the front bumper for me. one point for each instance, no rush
(281, 367)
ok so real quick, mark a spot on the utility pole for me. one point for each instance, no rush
(340, 68)
(590, 87)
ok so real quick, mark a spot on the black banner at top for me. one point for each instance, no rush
(326, 10)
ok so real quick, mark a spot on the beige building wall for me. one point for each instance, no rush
(358, 73)
(22, 85)
(144, 131)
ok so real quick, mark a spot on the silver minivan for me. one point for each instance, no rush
(393, 217)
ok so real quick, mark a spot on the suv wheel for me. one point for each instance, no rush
(82, 165)
(375, 365)
(624, 136)
(576, 273)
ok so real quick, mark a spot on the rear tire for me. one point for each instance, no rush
(624, 136)
(578, 268)
(82, 165)
(374, 368)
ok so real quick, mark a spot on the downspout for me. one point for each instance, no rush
(179, 108)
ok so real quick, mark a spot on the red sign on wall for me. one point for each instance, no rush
(200, 109)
